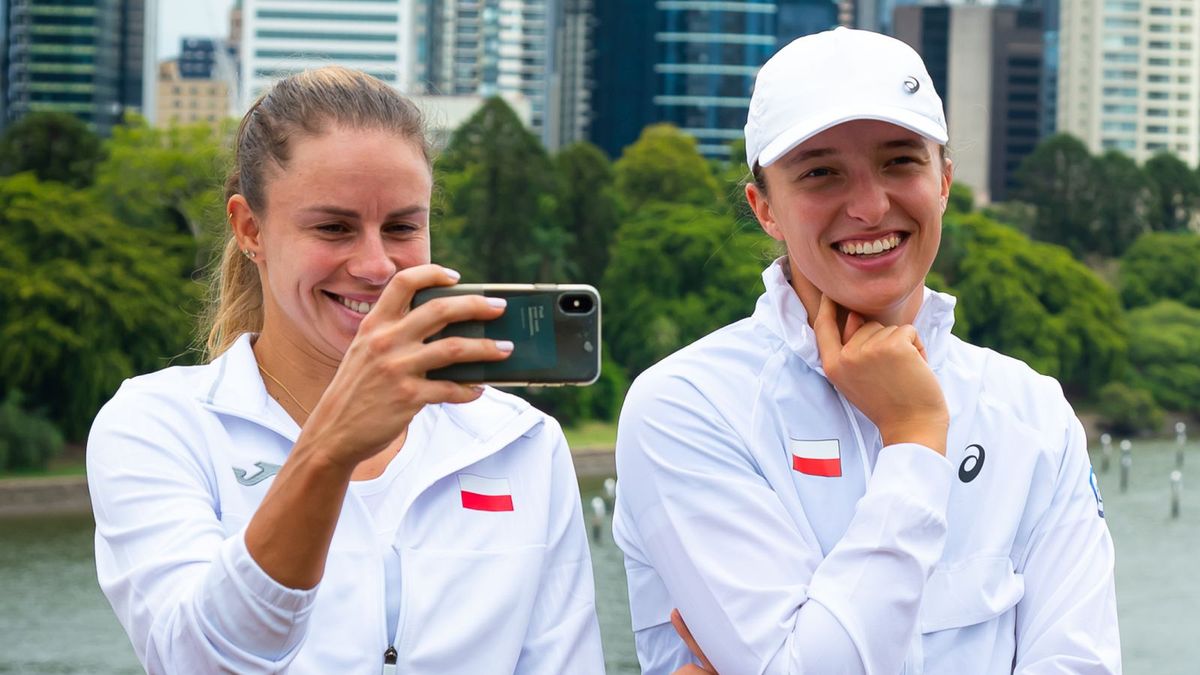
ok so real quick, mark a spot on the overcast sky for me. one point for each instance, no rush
(190, 18)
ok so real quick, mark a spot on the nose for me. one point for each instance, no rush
(371, 262)
(868, 200)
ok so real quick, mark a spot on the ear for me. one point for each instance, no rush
(244, 225)
(762, 211)
(947, 179)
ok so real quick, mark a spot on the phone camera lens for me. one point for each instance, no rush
(575, 303)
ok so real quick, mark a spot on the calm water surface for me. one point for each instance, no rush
(53, 618)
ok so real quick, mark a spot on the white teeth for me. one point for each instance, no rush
(870, 247)
(360, 307)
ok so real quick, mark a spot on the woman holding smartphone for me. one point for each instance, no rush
(307, 501)
(837, 484)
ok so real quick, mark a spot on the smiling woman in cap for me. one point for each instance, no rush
(837, 484)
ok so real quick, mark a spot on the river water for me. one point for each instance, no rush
(53, 618)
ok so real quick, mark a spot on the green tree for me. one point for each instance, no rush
(1176, 192)
(1035, 302)
(54, 146)
(1127, 410)
(27, 439)
(665, 166)
(587, 207)
(1059, 180)
(1164, 354)
(1124, 197)
(84, 301)
(962, 199)
(678, 272)
(166, 180)
(1161, 266)
(500, 202)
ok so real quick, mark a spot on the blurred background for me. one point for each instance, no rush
(598, 141)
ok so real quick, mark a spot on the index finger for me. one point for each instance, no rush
(829, 340)
(686, 635)
(398, 294)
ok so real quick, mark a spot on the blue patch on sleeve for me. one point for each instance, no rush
(1096, 492)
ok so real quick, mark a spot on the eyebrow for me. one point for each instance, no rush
(351, 213)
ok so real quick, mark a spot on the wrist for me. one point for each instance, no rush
(929, 433)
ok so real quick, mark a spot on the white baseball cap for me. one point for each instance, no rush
(822, 80)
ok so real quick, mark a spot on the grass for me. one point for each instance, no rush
(69, 462)
(592, 434)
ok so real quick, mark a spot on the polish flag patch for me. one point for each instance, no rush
(485, 494)
(817, 458)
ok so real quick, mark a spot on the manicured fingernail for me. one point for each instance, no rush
(476, 387)
(497, 302)
(504, 345)
(453, 274)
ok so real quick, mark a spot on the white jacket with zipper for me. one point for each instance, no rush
(179, 460)
(994, 559)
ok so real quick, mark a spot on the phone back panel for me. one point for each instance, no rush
(551, 345)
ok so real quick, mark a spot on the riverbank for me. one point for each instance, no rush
(62, 495)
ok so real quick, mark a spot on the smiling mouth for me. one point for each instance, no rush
(869, 248)
(352, 305)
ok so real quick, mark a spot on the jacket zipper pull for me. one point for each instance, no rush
(389, 660)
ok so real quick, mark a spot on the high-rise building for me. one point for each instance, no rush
(986, 62)
(198, 86)
(83, 57)
(570, 73)
(281, 37)
(489, 48)
(687, 62)
(1129, 76)
(803, 17)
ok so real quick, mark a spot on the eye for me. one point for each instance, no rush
(903, 160)
(333, 228)
(401, 228)
(819, 172)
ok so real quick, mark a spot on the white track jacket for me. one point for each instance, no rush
(755, 499)
(179, 460)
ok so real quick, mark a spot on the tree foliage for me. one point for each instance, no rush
(54, 146)
(27, 439)
(1162, 266)
(501, 202)
(1164, 354)
(84, 300)
(167, 180)
(587, 207)
(1035, 302)
(1124, 198)
(1127, 410)
(1059, 179)
(663, 165)
(678, 272)
(1175, 190)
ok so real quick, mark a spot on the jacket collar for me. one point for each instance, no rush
(780, 309)
(491, 422)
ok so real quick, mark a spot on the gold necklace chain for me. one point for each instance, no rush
(307, 412)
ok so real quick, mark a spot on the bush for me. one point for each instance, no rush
(27, 440)
(1127, 410)
(1164, 354)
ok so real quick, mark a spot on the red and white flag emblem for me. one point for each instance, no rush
(485, 494)
(817, 458)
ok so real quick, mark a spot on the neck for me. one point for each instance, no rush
(901, 313)
(302, 374)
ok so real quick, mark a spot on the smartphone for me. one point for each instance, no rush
(554, 328)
